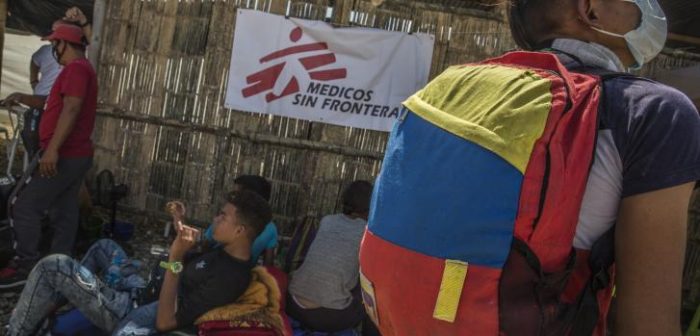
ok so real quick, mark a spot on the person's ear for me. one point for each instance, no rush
(587, 11)
(240, 230)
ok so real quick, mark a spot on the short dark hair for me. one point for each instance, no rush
(531, 21)
(252, 209)
(256, 184)
(356, 197)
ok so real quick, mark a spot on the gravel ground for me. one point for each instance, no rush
(147, 234)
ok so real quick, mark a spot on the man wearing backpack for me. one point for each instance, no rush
(559, 176)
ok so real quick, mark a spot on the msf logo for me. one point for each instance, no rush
(279, 83)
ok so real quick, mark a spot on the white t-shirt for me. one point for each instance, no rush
(331, 269)
(48, 69)
(647, 140)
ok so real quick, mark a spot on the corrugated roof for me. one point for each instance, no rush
(684, 15)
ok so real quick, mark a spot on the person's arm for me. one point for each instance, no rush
(650, 239)
(66, 122)
(167, 300)
(33, 74)
(74, 14)
(29, 100)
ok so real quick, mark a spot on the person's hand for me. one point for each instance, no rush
(74, 14)
(47, 163)
(177, 210)
(187, 237)
(13, 99)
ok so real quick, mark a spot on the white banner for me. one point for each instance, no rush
(309, 70)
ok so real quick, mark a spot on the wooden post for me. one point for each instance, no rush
(3, 20)
(98, 18)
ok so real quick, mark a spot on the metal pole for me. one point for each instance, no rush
(3, 20)
(98, 18)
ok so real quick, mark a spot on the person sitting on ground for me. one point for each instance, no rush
(324, 291)
(267, 240)
(211, 280)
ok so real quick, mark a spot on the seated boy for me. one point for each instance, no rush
(267, 239)
(324, 292)
(208, 281)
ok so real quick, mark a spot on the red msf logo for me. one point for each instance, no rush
(266, 79)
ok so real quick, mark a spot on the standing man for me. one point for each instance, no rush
(64, 132)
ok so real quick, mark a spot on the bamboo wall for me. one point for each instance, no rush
(163, 130)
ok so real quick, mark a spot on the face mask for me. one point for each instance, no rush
(649, 38)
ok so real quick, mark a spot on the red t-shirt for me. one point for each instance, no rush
(77, 79)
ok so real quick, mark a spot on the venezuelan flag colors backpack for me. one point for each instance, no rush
(474, 213)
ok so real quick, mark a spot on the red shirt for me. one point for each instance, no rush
(77, 79)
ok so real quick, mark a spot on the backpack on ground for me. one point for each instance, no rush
(474, 213)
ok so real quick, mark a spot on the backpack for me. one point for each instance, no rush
(304, 234)
(474, 212)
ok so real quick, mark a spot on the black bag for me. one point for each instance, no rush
(6, 243)
(155, 282)
(30, 131)
(7, 185)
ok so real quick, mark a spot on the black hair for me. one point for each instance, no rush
(253, 211)
(356, 197)
(256, 184)
(531, 21)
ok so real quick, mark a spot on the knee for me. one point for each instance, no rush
(64, 268)
(21, 206)
(104, 243)
(54, 263)
(53, 260)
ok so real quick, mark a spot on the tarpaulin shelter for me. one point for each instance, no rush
(36, 16)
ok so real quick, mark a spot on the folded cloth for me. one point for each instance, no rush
(261, 306)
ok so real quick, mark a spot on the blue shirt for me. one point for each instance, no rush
(267, 239)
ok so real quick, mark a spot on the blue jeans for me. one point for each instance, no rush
(59, 278)
(141, 321)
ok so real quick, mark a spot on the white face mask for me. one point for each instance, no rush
(649, 38)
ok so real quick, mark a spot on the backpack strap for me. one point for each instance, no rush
(602, 254)
(604, 74)
(602, 257)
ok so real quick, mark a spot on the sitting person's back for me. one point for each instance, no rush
(331, 268)
(324, 291)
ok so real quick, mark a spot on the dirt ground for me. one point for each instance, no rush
(146, 233)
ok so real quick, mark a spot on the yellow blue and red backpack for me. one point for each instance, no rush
(474, 213)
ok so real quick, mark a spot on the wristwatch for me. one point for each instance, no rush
(83, 25)
(175, 267)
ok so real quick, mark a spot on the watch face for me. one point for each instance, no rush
(177, 267)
